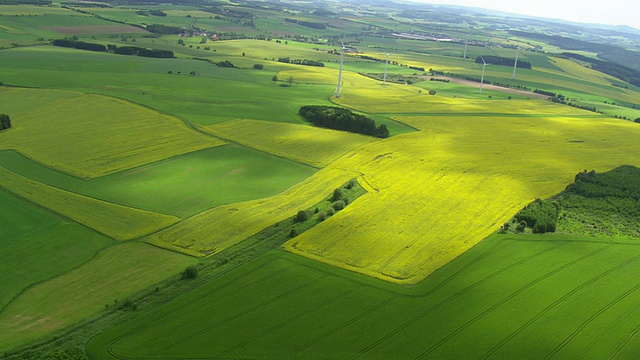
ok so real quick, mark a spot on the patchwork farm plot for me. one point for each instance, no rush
(177, 208)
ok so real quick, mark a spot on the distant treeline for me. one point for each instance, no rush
(122, 50)
(25, 2)
(309, 24)
(621, 72)
(614, 54)
(165, 29)
(498, 60)
(134, 50)
(337, 118)
(151, 12)
(306, 62)
(79, 45)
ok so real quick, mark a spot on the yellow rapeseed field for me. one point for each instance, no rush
(306, 144)
(91, 135)
(440, 191)
(117, 221)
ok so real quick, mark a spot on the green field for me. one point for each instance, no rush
(114, 274)
(37, 245)
(510, 296)
(240, 174)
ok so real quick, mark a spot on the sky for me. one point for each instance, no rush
(610, 12)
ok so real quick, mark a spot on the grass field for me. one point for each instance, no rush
(306, 144)
(116, 221)
(36, 245)
(108, 135)
(508, 297)
(216, 176)
(401, 232)
(112, 275)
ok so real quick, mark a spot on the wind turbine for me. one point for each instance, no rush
(340, 71)
(515, 65)
(484, 65)
(384, 78)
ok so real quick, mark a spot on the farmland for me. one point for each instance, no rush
(562, 291)
(119, 172)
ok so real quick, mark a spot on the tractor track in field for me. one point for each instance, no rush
(557, 302)
(450, 298)
(590, 319)
(506, 299)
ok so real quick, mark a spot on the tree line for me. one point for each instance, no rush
(121, 50)
(306, 62)
(499, 60)
(337, 118)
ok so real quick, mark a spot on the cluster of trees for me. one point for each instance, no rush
(499, 60)
(306, 62)
(225, 64)
(419, 68)
(597, 200)
(5, 121)
(440, 80)
(309, 24)
(342, 119)
(540, 216)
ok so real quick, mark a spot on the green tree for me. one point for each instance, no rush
(5, 121)
(290, 80)
(302, 216)
(337, 195)
(274, 79)
(191, 272)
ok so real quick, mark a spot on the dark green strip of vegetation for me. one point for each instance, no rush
(499, 60)
(333, 117)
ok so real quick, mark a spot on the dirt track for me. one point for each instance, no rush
(491, 87)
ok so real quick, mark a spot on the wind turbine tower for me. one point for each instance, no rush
(466, 42)
(484, 65)
(384, 78)
(340, 72)
(515, 65)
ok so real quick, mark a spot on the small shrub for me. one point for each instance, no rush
(191, 272)
(322, 216)
(338, 205)
(293, 233)
(258, 66)
(301, 216)
(432, 92)
(331, 212)
(337, 195)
